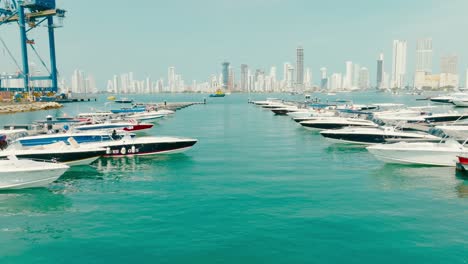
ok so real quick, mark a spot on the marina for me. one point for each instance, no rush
(233, 132)
(234, 158)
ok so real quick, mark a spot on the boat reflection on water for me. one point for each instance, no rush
(441, 180)
(32, 201)
(160, 163)
(462, 187)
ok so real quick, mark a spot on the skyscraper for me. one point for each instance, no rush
(290, 78)
(449, 64)
(380, 72)
(323, 78)
(424, 56)
(231, 78)
(348, 80)
(225, 74)
(356, 71)
(308, 78)
(300, 66)
(171, 79)
(244, 77)
(336, 81)
(399, 64)
(449, 72)
(466, 79)
(363, 82)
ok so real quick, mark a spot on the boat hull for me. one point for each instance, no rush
(19, 175)
(147, 146)
(373, 138)
(71, 158)
(441, 157)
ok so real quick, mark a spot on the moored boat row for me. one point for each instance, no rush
(77, 141)
(404, 135)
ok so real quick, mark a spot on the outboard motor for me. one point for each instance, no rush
(49, 122)
(3, 142)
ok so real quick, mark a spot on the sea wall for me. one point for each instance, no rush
(8, 108)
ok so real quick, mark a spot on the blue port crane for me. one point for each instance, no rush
(29, 14)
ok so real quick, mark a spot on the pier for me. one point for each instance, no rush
(171, 105)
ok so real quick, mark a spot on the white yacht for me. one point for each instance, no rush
(422, 153)
(374, 135)
(20, 174)
(460, 101)
(322, 123)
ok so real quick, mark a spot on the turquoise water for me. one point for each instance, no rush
(257, 188)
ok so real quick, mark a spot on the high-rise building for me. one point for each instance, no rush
(308, 78)
(290, 77)
(424, 56)
(323, 78)
(300, 66)
(380, 72)
(171, 79)
(449, 64)
(399, 64)
(225, 73)
(363, 82)
(336, 81)
(356, 72)
(466, 79)
(231, 79)
(244, 77)
(449, 72)
(348, 80)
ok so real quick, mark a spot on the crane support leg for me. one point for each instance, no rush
(53, 59)
(24, 47)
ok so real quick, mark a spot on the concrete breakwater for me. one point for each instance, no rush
(8, 108)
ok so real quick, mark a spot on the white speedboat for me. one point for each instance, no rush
(285, 110)
(460, 102)
(421, 153)
(267, 101)
(311, 114)
(374, 135)
(72, 155)
(274, 105)
(20, 174)
(449, 98)
(146, 116)
(322, 123)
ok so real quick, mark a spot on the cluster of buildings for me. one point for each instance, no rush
(81, 83)
(126, 83)
(424, 77)
(296, 77)
(355, 78)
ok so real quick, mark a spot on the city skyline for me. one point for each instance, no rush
(329, 38)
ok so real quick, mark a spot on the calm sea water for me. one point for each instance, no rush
(257, 188)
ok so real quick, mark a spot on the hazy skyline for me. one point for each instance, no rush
(147, 37)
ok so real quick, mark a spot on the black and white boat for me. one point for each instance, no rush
(146, 146)
(375, 135)
(285, 110)
(323, 123)
(445, 117)
(72, 155)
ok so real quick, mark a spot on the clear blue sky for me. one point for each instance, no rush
(147, 36)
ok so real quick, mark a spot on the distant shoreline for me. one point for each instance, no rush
(11, 108)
